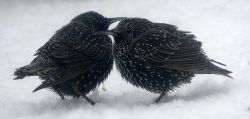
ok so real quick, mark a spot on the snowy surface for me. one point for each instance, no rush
(222, 25)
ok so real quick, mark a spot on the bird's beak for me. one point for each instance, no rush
(112, 20)
(107, 32)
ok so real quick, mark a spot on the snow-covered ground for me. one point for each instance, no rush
(222, 25)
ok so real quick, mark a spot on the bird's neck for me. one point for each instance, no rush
(121, 41)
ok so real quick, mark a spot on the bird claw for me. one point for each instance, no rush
(159, 98)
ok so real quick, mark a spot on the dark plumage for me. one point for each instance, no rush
(76, 59)
(158, 57)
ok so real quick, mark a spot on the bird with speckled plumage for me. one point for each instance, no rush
(76, 59)
(159, 57)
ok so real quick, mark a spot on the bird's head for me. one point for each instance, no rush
(129, 29)
(95, 20)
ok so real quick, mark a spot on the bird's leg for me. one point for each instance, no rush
(60, 94)
(160, 97)
(84, 96)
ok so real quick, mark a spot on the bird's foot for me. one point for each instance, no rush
(160, 97)
(60, 94)
(84, 96)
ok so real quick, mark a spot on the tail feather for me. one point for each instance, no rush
(29, 70)
(228, 76)
(43, 85)
(217, 62)
(22, 72)
(217, 70)
(224, 72)
(19, 73)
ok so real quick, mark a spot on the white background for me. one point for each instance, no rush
(222, 25)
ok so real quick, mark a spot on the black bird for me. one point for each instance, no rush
(76, 59)
(158, 57)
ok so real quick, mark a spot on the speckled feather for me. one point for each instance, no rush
(158, 57)
(76, 56)
(87, 50)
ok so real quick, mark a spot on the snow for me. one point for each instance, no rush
(222, 26)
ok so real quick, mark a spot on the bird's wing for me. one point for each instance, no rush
(163, 49)
(73, 43)
(80, 59)
(74, 49)
(172, 29)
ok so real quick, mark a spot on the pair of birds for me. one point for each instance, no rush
(154, 56)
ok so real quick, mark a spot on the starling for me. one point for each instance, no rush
(76, 59)
(158, 57)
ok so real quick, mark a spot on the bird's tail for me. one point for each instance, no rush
(28, 70)
(218, 70)
(223, 72)
(43, 85)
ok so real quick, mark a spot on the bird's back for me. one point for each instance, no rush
(74, 53)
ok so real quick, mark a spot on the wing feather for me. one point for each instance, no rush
(165, 49)
(75, 50)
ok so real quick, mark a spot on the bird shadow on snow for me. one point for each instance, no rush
(49, 105)
(200, 91)
(128, 100)
(55, 106)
